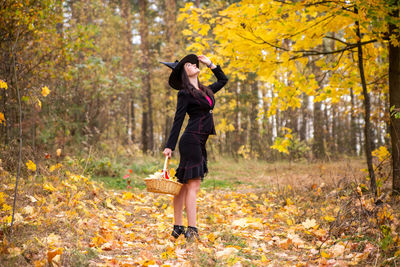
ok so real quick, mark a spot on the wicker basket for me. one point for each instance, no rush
(161, 184)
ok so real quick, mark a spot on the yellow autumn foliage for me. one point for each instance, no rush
(31, 165)
(2, 119)
(381, 153)
(45, 91)
(270, 39)
(3, 85)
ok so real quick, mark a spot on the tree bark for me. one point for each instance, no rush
(367, 112)
(387, 139)
(170, 33)
(304, 118)
(318, 145)
(379, 120)
(267, 135)
(278, 123)
(244, 116)
(342, 124)
(394, 100)
(254, 128)
(353, 127)
(128, 62)
(147, 121)
(334, 140)
(236, 123)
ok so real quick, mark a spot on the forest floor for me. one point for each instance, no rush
(250, 213)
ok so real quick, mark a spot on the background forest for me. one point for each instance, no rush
(294, 79)
(310, 82)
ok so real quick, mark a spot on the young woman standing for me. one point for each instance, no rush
(198, 101)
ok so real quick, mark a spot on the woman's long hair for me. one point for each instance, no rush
(186, 85)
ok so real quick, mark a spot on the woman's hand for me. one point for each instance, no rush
(167, 152)
(203, 59)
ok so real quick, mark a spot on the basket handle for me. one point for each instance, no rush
(166, 163)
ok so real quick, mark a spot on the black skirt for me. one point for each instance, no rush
(193, 157)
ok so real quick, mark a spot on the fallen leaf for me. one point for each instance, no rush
(52, 253)
(337, 250)
(13, 252)
(53, 239)
(309, 223)
(31, 198)
(30, 165)
(109, 205)
(49, 187)
(27, 210)
(211, 237)
(107, 246)
(325, 254)
(226, 252)
(329, 218)
(45, 91)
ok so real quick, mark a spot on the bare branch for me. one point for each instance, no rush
(336, 39)
(263, 42)
(376, 81)
(312, 26)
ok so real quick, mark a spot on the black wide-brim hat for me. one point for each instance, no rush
(175, 77)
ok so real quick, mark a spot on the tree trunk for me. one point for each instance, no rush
(342, 126)
(170, 33)
(394, 99)
(361, 136)
(387, 139)
(278, 123)
(353, 127)
(379, 119)
(254, 129)
(236, 123)
(367, 107)
(147, 121)
(318, 145)
(267, 137)
(334, 140)
(128, 61)
(304, 117)
(244, 116)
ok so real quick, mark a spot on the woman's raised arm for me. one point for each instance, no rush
(222, 79)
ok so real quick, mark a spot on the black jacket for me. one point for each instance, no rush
(200, 112)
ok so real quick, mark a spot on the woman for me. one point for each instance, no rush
(198, 101)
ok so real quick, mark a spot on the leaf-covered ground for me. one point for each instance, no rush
(70, 220)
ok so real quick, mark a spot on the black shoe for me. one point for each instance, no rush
(178, 230)
(192, 234)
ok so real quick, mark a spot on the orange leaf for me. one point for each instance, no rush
(52, 253)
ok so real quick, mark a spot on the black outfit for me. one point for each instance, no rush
(193, 160)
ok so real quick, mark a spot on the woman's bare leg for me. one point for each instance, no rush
(179, 200)
(193, 187)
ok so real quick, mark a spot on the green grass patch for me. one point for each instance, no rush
(214, 183)
(120, 183)
(111, 182)
(141, 168)
(224, 172)
(229, 239)
(77, 258)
